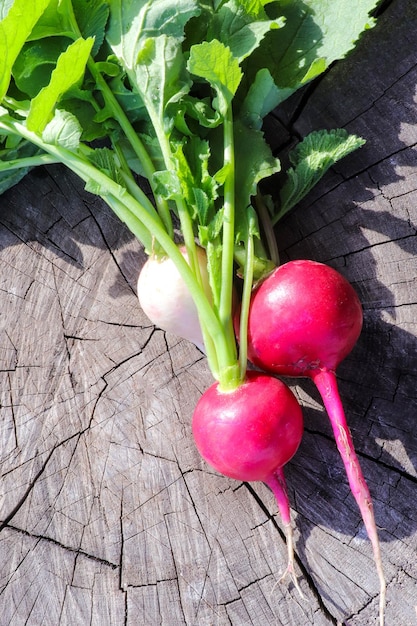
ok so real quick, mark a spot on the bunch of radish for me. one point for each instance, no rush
(144, 90)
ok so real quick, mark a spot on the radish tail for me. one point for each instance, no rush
(326, 383)
(277, 483)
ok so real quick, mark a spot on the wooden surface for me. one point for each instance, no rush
(109, 516)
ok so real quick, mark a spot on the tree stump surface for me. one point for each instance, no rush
(108, 515)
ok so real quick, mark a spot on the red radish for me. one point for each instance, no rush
(304, 319)
(166, 300)
(249, 434)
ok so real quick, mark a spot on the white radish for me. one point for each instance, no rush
(166, 300)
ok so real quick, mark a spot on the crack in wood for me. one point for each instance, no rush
(51, 540)
(8, 517)
(111, 252)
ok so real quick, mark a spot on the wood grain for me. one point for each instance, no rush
(108, 515)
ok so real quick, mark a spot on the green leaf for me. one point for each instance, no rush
(69, 70)
(63, 130)
(72, 18)
(9, 178)
(200, 110)
(214, 62)
(316, 33)
(211, 231)
(195, 156)
(34, 65)
(259, 100)
(92, 17)
(108, 68)
(146, 37)
(190, 180)
(209, 237)
(10, 155)
(161, 78)
(167, 184)
(15, 28)
(246, 225)
(158, 76)
(241, 26)
(223, 173)
(132, 23)
(85, 112)
(253, 165)
(131, 101)
(311, 159)
(105, 160)
(255, 8)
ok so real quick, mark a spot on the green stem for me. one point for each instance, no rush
(123, 162)
(129, 181)
(140, 196)
(245, 304)
(34, 161)
(134, 140)
(231, 378)
(228, 222)
(268, 228)
(119, 115)
(131, 220)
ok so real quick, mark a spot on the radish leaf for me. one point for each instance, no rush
(131, 24)
(259, 100)
(214, 62)
(316, 33)
(161, 79)
(92, 16)
(34, 65)
(14, 30)
(311, 159)
(63, 130)
(254, 164)
(20, 159)
(241, 26)
(69, 70)
(178, 91)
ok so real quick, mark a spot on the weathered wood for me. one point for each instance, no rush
(108, 514)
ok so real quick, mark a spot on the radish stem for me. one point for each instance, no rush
(244, 311)
(236, 372)
(29, 162)
(268, 228)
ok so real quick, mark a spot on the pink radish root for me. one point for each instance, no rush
(325, 381)
(278, 485)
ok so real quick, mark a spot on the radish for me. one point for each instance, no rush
(167, 301)
(304, 319)
(249, 434)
